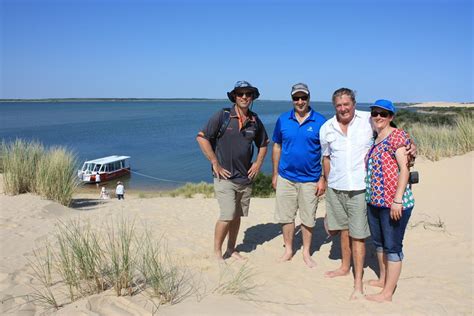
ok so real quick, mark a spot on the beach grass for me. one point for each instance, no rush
(437, 141)
(239, 283)
(169, 281)
(55, 175)
(29, 167)
(19, 162)
(190, 189)
(83, 260)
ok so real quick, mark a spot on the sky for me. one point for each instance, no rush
(402, 50)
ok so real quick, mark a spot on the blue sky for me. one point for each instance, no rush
(403, 50)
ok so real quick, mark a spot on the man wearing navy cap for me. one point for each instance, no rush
(297, 170)
(233, 132)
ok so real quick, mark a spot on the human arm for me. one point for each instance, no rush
(402, 160)
(324, 177)
(276, 154)
(206, 149)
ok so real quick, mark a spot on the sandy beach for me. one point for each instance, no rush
(437, 276)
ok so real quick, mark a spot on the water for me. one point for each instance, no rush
(159, 135)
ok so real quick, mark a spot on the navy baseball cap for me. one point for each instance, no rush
(384, 104)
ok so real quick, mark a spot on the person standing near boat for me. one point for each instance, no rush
(227, 141)
(120, 191)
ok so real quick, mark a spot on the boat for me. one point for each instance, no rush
(104, 169)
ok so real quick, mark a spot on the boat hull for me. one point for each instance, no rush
(104, 177)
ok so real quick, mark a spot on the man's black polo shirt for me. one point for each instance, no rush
(234, 149)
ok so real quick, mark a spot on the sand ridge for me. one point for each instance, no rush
(436, 279)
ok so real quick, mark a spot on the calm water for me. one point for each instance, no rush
(159, 136)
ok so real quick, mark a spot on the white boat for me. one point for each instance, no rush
(104, 169)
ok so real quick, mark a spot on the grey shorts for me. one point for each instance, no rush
(291, 196)
(347, 210)
(233, 199)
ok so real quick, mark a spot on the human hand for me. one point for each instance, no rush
(320, 187)
(253, 171)
(220, 172)
(274, 181)
(411, 153)
(396, 211)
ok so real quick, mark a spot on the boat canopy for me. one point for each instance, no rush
(108, 159)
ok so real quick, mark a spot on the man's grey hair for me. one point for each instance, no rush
(344, 91)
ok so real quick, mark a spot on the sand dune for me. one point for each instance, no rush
(443, 105)
(437, 276)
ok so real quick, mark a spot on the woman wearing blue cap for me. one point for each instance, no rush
(389, 198)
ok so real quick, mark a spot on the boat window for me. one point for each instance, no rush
(117, 165)
(102, 169)
(97, 167)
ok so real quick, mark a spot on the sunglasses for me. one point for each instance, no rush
(383, 114)
(304, 98)
(241, 94)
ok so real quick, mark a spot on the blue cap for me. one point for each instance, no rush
(384, 104)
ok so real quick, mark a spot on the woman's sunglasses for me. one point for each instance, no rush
(304, 98)
(383, 114)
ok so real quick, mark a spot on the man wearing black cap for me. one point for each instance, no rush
(227, 141)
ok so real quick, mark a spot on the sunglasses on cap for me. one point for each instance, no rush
(249, 94)
(303, 97)
(375, 113)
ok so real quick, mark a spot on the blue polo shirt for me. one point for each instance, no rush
(300, 159)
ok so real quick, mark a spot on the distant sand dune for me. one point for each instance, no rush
(443, 105)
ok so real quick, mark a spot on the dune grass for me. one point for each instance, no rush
(190, 189)
(29, 167)
(81, 260)
(438, 141)
(239, 283)
(19, 161)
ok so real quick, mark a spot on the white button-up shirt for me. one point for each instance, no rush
(347, 152)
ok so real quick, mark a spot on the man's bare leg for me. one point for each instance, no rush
(288, 234)
(346, 257)
(382, 260)
(220, 232)
(393, 274)
(358, 256)
(307, 236)
(234, 227)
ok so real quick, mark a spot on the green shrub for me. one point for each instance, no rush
(262, 186)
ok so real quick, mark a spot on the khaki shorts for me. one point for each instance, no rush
(291, 196)
(233, 199)
(347, 210)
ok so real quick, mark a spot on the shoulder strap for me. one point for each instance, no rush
(224, 122)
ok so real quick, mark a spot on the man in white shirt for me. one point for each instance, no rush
(345, 140)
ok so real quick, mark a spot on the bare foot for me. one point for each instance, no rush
(336, 273)
(309, 261)
(286, 257)
(380, 298)
(376, 283)
(238, 256)
(219, 257)
(356, 295)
